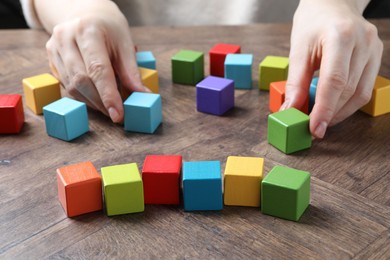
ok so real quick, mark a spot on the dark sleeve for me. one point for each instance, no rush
(377, 9)
(11, 15)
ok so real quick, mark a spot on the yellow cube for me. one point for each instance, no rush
(40, 91)
(243, 176)
(150, 79)
(380, 100)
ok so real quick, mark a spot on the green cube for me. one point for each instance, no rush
(285, 193)
(272, 69)
(288, 130)
(187, 67)
(123, 189)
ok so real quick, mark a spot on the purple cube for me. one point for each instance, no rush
(215, 95)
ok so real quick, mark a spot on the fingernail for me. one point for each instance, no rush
(319, 132)
(114, 115)
(285, 105)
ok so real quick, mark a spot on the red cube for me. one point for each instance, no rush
(217, 57)
(161, 179)
(11, 114)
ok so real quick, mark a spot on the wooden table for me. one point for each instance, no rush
(349, 215)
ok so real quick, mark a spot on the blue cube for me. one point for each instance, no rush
(142, 112)
(312, 93)
(66, 119)
(215, 95)
(202, 185)
(238, 67)
(146, 59)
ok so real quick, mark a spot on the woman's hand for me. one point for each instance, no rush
(332, 35)
(90, 48)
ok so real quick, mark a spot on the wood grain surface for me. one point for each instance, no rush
(349, 215)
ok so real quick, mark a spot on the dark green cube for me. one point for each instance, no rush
(285, 193)
(187, 67)
(289, 131)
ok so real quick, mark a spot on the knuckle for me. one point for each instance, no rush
(343, 29)
(364, 97)
(96, 69)
(337, 81)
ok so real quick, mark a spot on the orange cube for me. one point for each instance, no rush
(79, 189)
(277, 93)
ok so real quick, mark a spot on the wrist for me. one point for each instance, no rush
(356, 5)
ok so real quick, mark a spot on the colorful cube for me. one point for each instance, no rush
(272, 69)
(288, 130)
(11, 114)
(380, 100)
(312, 93)
(202, 185)
(277, 93)
(161, 179)
(187, 67)
(238, 67)
(143, 112)
(123, 189)
(66, 119)
(40, 91)
(79, 189)
(242, 181)
(217, 56)
(285, 193)
(150, 79)
(146, 59)
(215, 95)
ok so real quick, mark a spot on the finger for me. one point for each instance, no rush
(79, 82)
(299, 77)
(94, 52)
(363, 92)
(334, 72)
(55, 63)
(359, 59)
(126, 65)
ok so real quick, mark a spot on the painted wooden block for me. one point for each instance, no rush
(217, 56)
(146, 59)
(277, 93)
(66, 119)
(79, 189)
(161, 179)
(215, 95)
(312, 93)
(285, 193)
(242, 181)
(11, 113)
(187, 67)
(202, 185)
(143, 112)
(380, 99)
(238, 67)
(123, 189)
(272, 69)
(150, 79)
(40, 91)
(288, 130)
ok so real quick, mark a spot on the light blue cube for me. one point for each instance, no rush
(66, 119)
(143, 112)
(202, 186)
(146, 59)
(238, 67)
(312, 93)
